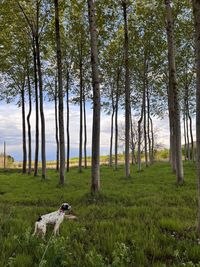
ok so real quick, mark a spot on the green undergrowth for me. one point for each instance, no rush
(146, 220)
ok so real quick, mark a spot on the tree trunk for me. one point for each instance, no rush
(142, 114)
(196, 7)
(152, 140)
(60, 96)
(139, 129)
(85, 132)
(145, 132)
(172, 156)
(23, 131)
(81, 112)
(95, 183)
(186, 116)
(188, 138)
(4, 155)
(173, 87)
(132, 142)
(67, 123)
(148, 126)
(28, 122)
(127, 92)
(191, 138)
(185, 141)
(43, 148)
(36, 111)
(111, 131)
(116, 119)
(56, 124)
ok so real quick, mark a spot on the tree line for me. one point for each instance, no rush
(135, 56)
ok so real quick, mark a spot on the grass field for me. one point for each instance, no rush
(146, 220)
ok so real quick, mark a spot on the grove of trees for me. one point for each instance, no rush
(130, 56)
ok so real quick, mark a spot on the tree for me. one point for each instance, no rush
(28, 119)
(95, 183)
(60, 95)
(175, 126)
(196, 8)
(127, 91)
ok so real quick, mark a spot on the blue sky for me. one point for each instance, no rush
(11, 125)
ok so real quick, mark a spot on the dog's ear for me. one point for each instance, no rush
(39, 219)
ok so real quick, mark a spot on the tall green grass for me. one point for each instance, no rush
(146, 220)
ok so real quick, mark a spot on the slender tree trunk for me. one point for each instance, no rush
(152, 140)
(172, 156)
(28, 122)
(95, 183)
(4, 155)
(188, 138)
(141, 117)
(139, 129)
(39, 69)
(111, 132)
(116, 119)
(56, 124)
(24, 131)
(186, 117)
(185, 141)
(196, 8)
(127, 91)
(36, 111)
(85, 132)
(191, 137)
(145, 133)
(81, 113)
(60, 96)
(68, 130)
(132, 142)
(148, 126)
(173, 87)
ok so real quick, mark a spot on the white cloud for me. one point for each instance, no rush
(10, 129)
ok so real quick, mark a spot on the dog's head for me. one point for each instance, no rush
(65, 207)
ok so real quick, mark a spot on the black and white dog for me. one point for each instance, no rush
(55, 218)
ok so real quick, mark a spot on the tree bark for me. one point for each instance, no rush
(43, 148)
(191, 138)
(95, 183)
(116, 119)
(132, 142)
(173, 87)
(111, 130)
(152, 140)
(28, 122)
(185, 141)
(139, 128)
(148, 126)
(4, 155)
(67, 123)
(36, 111)
(56, 124)
(127, 91)
(39, 69)
(23, 131)
(196, 8)
(60, 95)
(81, 112)
(145, 131)
(85, 131)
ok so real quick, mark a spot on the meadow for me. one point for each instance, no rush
(146, 220)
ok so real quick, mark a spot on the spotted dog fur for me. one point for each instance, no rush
(55, 218)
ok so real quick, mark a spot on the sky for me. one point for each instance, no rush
(11, 130)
